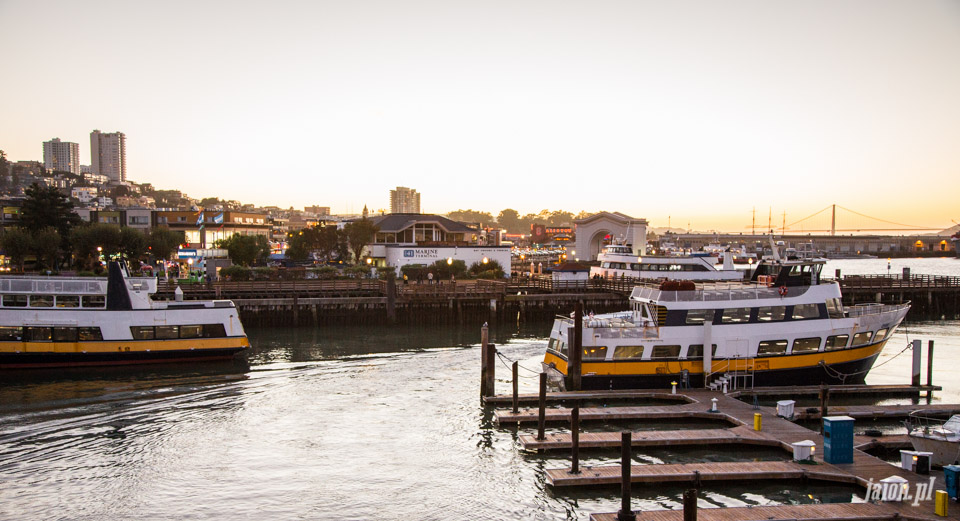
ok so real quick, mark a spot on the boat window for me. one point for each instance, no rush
(15, 301)
(41, 301)
(699, 316)
(803, 311)
(64, 334)
(771, 313)
(142, 332)
(621, 352)
(834, 308)
(836, 342)
(167, 332)
(93, 301)
(38, 334)
(666, 352)
(862, 338)
(190, 331)
(10, 333)
(85, 334)
(595, 352)
(772, 347)
(68, 301)
(880, 335)
(806, 345)
(735, 316)
(696, 351)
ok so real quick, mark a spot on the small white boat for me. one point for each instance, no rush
(620, 260)
(942, 438)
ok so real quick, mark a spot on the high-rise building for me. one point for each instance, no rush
(108, 154)
(61, 155)
(404, 200)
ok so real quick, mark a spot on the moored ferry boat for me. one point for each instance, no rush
(619, 260)
(785, 326)
(65, 322)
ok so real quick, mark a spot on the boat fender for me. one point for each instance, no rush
(783, 291)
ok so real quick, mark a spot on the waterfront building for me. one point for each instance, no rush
(600, 229)
(108, 153)
(404, 200)
(84, 194)
(62, 156)
(203, 228)
(422, 239)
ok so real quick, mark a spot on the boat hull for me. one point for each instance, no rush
(944, 452)
(57, 360)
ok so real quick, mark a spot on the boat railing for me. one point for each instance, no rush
(715, 292)
(862, 310)
(54, 285)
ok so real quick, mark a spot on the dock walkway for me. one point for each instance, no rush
(837, 511)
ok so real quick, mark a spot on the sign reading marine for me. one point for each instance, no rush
(420, 253)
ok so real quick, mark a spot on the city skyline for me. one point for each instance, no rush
(691, 115)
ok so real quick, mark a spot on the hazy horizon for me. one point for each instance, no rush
(692, 113)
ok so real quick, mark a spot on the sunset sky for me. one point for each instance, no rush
(696, 111)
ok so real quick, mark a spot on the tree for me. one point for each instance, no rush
(17, 243)
(471, 216)
(46, 206)
(488, 270)
(246, 249)
(163, 242)
(359, 234)
(509, 220)
(46, 246)
(560, 217)
(85, 240)
(133, 245)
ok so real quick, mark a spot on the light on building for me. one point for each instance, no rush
(369, 260)
(449, 261)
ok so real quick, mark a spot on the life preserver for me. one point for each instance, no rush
(783, 291)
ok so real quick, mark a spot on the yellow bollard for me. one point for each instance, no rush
(940, 503)
(757, 421)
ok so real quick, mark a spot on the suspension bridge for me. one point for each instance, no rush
(835, 218)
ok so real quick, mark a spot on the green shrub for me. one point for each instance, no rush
(235, 273)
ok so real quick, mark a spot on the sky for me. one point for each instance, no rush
(693, 113)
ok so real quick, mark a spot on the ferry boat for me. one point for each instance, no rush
(81, 321)
(784, 326)
(619, 260)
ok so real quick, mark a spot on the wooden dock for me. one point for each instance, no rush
(561, 440)
(880, 411)
(836, 511)
(814, 390)
(776, 431)
(695, 473)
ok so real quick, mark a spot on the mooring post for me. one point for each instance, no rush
(391, 300)
(575, 336)
(690, 504)
(917, 350)
(625, 513)
(516, 387)
(930, 363)
(542, 409)
(824, 397)
(575, 438)
(486, 367)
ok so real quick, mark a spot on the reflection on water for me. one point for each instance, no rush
(332, 423)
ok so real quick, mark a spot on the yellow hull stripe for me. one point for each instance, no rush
(124, 346)
(762, 363)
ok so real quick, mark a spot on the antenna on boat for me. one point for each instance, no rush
(773, 248)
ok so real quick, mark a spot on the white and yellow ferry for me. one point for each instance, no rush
(64, 322)
(785, 326)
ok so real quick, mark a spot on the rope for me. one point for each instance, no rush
(504, 360)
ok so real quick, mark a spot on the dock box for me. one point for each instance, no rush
(951, 474)
(838, 439)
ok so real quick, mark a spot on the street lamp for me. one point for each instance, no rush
(449, 261)
(485, 260)
(369, 260)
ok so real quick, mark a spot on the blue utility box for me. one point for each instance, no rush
(951, 474)
(838, 439)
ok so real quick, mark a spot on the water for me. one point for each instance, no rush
(337, 423)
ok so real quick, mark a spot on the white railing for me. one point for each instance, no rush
(53, 285)
(715, 292)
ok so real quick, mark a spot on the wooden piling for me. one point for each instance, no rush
(486, 364)
(690, 504)
(575, 336)
(575, 439)
(930, 364)
(824, 398)
(915, 375)
(391, 300)
(542, 412)
(516, 387)
(625, 513)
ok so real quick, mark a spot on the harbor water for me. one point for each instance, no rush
(346, 423)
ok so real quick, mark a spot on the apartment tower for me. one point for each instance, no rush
(108, 154)
(61, 155)
(404, 200)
